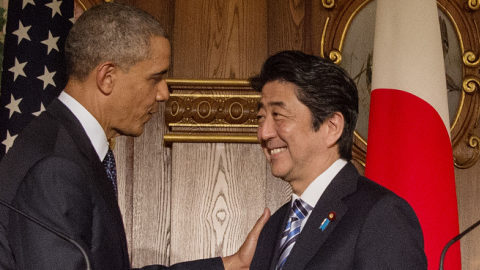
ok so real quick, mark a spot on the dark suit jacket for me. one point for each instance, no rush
(53, 173)
(373, 229)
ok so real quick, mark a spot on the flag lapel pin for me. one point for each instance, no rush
(331, 217)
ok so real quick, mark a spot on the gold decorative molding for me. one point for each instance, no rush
(171, 138)
(335, 56)
(470, 84)
(473, 4)
(211, 111)
(328, 4)
(324, 33)
(465, 143)
(470, 59)
(473, 142)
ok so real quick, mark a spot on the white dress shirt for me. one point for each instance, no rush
(94, 130)
(314, 191)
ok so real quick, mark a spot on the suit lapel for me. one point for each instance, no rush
(312, 236)
(76, 131)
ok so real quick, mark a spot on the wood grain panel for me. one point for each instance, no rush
(163, 11)
(286, 22)
(219, 39)
(278, 191)
(468, 194)
(123, 152)
(151, 196)
(218, 190)
(218, 193)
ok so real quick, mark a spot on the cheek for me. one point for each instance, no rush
(285, 131)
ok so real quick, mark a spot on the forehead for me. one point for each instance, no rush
(279, 93)
(160, 48)
(159, 57)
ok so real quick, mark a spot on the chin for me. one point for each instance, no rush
(132, 133)
(137, 133)
(278, 174)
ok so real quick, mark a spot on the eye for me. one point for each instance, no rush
(158, 79)
(260, 116)
(276, 115)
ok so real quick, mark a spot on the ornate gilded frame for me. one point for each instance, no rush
(463, 15)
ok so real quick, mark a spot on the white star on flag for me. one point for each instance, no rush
(8, 142)
(25, 2)
(18, 69)
(13, 106)
(22, 32)
(55, 6)
(47, 78)
(51, 42)
(42, 109)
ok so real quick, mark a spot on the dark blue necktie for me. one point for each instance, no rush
(110, 167)
(299, 211)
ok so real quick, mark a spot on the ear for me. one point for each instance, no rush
(334, 126)
(105, 74)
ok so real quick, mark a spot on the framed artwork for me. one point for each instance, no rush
(349, 42)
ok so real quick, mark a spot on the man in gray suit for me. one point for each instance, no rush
(337, 219)
(60, 169)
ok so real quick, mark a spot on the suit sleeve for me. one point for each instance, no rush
(390, 238)
(54, 192)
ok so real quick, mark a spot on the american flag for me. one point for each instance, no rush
(33, 66)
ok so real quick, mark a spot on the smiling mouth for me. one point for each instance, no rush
(277, 150)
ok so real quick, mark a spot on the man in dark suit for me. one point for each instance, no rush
(337, 219)
(117, 58)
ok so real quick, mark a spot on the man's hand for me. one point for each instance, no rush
(242, 259)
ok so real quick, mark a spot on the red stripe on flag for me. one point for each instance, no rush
(409, 152)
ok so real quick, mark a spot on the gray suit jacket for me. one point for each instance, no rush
(53, 173)
(373, 229)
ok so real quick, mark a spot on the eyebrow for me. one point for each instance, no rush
(161, 73)
(271, 104)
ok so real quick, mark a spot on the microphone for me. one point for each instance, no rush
(455, 239)
(52, 230)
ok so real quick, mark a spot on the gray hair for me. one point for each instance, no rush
(109, 32)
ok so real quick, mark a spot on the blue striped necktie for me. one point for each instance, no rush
(299, 211)
(110, 167)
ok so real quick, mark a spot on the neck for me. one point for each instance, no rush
(84, 92)
(302, 183)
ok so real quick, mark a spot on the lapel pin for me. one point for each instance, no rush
(331, 217)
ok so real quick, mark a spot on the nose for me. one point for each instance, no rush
(162, 91)
(266, 130)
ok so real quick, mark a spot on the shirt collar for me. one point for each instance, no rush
(94, 130)
(314, 191)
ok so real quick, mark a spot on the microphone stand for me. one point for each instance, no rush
(455, 239)
(54, 231)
